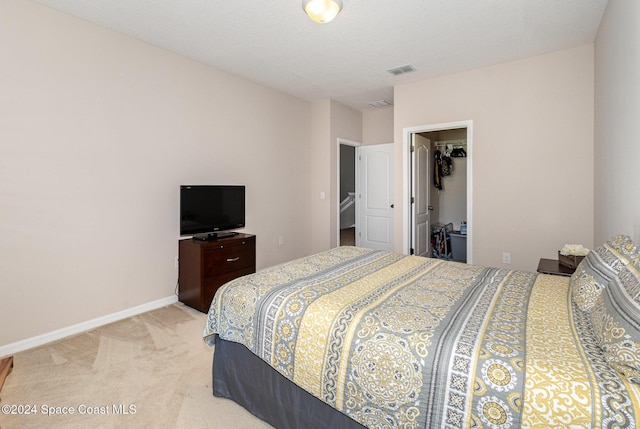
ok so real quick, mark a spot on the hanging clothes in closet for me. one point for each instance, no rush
(447, 164)
(458, 152)
(443, 162)
(442, 166)
(437, 170)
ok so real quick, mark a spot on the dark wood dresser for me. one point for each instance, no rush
(204, 266)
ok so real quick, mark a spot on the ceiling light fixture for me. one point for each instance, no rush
(322, 11)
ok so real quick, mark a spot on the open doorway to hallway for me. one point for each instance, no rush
(365, 195)
(346, 191)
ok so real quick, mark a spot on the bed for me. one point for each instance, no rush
(359, 338)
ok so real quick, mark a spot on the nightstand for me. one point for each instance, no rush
(552, 266)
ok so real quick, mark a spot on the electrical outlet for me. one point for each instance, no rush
(506, 258)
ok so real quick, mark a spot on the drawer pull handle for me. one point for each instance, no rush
(233, 259)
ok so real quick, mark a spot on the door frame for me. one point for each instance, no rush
(406, 180)
(341, 141)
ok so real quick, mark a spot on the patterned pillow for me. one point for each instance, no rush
(599, 267)
(616, 322)
(626, 249)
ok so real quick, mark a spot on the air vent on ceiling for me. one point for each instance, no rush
(407, 68)
(380, 103)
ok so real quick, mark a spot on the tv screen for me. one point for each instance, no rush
(210, 208)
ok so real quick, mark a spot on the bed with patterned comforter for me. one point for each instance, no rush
(403, 341)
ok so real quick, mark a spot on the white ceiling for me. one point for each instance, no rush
(272, 42)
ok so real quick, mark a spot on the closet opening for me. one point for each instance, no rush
(438, 191)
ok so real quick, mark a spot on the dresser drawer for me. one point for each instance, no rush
(212, 284)
(227, 259)
(207, 265)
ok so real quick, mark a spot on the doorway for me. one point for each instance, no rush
(438, 215)
(374, 196)
(347, 192)
(365, 195)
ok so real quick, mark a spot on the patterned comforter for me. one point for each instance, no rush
(404, 341)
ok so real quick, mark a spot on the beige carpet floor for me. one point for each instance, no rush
(153, 366)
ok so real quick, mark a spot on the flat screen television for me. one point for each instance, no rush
(207, 209)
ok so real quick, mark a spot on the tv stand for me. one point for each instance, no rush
(214, 235)
(204, 266)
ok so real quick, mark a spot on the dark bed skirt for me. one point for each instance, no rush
(246, 379)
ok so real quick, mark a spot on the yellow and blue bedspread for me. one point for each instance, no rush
(397, 341)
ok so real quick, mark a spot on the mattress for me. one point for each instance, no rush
(391, 340)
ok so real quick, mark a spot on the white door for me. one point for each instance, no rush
(420, 207)
(374, 186)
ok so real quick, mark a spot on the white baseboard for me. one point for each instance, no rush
(39, 340)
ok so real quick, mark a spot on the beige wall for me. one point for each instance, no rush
(617, 134)
(377, 125)
(532, 151)
(346, 123)
(320, 172)
(330, 121)
(98, 131)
